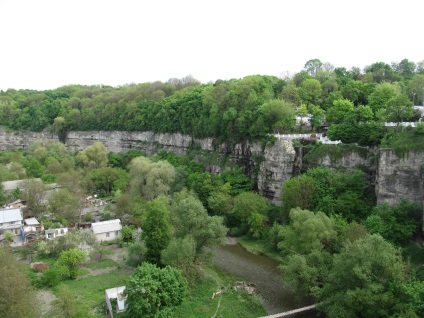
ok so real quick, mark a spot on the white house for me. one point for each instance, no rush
(12, 220)
(53, 233)
(107, 230)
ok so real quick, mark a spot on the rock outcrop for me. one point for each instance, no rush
(269, 165)
(399, 177)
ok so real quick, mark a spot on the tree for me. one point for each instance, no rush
(33, 192)
(150, 179)
(336, 114)
(381, 95)
(399, 109)
(397, 223)
(311, 91)
(17, 298)
(153, 291)
(245, 204)
(136, 253)
(180, 253)
(157, 229)
(93, 157)
(368, 279)
(191, 219)
(278, 114)
(70, 261)
(298, 192)
(65, 205)
(306, 232)
(313, 66)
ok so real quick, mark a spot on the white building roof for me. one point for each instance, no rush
(32, 222)
(10, 215)
(106, 226)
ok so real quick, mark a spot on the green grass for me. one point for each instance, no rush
(234, 303)
(104, 263)
(91, 289)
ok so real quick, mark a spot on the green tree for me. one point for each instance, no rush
(33, 192)
(245, 204)
(136, 253)
(191, 219)
(381, 95)
(93, 157)
(313, 66)
(153, 292)
(151, 179)
(157, 229)
(69, 262)
(298, 192)
(395, 223)
(336, 114)
(278, 114)
(306, 232)
(65, 205)
(311, 91)
(180, 253)
(17, 298)
(367, 279)
(399, 109)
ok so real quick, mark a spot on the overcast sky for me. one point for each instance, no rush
(46, 44)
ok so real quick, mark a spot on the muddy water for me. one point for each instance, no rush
(263, 272)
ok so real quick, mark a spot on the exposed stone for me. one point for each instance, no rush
(399, 177)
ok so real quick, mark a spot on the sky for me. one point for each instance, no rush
(45, 44)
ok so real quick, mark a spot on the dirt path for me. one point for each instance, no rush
(45, 299)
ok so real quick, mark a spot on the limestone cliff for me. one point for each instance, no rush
(22, 139)
(269, 165)
(399, 177)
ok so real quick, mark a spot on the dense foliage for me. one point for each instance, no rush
(352, 101)
(153, 291)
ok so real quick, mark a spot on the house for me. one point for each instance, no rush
(12, 220)
(30, 230)
(53, 233)
(107, 230)
(118, 294)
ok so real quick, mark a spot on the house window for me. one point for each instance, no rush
(13, 222)
(107, 234)
(116, 233)
(62, 231)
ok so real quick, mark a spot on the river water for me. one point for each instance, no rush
(263, 272)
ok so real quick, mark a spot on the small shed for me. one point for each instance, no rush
(118, 294)
(107, 230)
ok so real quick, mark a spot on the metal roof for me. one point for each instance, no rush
(12, 185)
(32, 221)
(10, 215)
(106, 226)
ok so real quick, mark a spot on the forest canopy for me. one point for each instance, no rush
(233, 110)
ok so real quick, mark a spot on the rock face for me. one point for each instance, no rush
(270, 165)
(21, 140)
(399, 177)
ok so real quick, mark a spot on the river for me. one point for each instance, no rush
(263, 272)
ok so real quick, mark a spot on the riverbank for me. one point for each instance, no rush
(258, 247)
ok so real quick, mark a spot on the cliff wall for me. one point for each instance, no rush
(22, 139)
(399, 177)
(270, 165)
